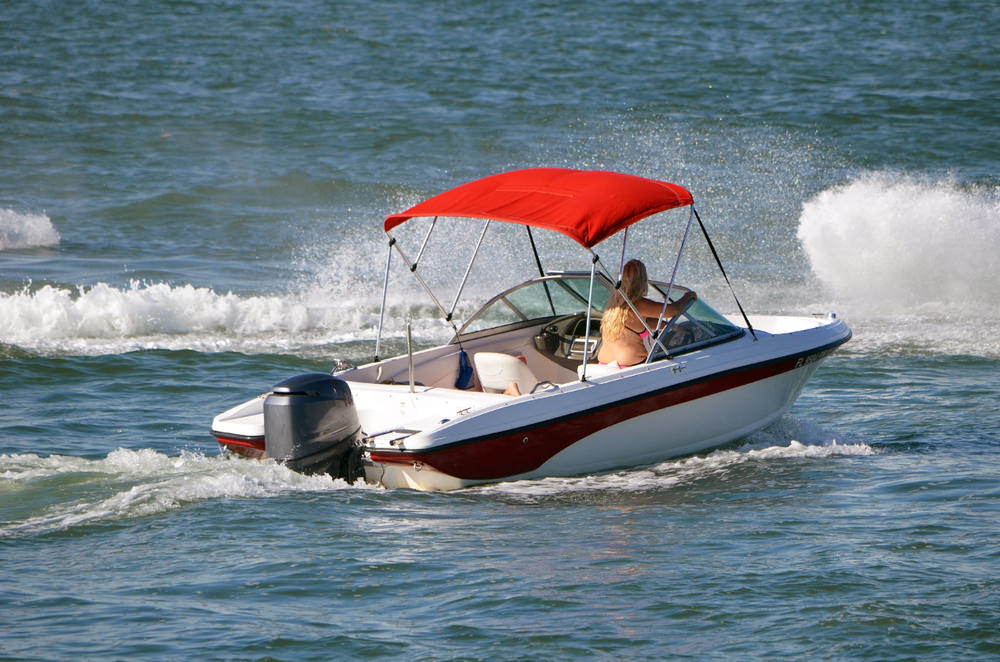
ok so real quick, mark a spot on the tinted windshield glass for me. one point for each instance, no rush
(701, 313)
(556, 296)
(700, 325)
(552, 297)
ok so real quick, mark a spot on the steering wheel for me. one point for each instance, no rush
(657, 344)
(673, 320)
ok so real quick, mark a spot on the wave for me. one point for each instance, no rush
(892, 241)
(106, 319)
(20, 231)
(142, 483)
(913, 263)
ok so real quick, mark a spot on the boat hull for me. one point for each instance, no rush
(680, 419)
(439, 438)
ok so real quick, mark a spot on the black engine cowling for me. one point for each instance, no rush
(311, 425)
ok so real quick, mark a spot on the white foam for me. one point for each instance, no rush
(145, 482)
(913, 264)
(888, 241)
(107, 319)
(19, 231)
(771, 444)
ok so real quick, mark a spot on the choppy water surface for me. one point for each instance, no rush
(190, 203)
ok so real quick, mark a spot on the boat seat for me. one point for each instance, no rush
(496, 371)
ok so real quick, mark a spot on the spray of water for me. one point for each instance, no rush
(886, 241)
(914, 263)
(21, 231)
(909, 262)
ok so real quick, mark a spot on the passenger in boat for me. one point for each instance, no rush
(624, 340)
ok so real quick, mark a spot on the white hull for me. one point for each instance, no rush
(440, 438)
(646, 439)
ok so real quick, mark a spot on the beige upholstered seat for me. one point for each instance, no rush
(496, 371)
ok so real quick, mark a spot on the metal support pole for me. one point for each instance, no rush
(468, 269)
(409, 349)
(424, 245)
(590, 307)
(673, 274)
(413, 268)
(385, 290)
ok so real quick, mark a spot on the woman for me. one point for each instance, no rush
(624, 340)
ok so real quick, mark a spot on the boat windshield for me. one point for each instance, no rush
(699, 326)
(565, 295)
(551, 296)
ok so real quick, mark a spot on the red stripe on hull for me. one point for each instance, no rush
(521, 451)
(252, 448)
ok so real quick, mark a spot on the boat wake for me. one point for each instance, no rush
(23, 231)
(141, 482)
(145, 483)
(914, 265)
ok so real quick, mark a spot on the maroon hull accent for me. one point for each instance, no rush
(252, 448)
(526, 449)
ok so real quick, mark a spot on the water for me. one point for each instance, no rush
(190, 203)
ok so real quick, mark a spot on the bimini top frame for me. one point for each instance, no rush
(587, 206)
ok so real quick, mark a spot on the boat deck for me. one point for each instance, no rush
(425, 408)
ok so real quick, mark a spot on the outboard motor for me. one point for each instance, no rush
(311, 425)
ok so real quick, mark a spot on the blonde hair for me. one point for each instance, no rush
(617, 312)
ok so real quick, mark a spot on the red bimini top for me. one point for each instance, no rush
(586, 205)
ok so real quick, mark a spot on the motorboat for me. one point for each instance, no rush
(439, 418)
